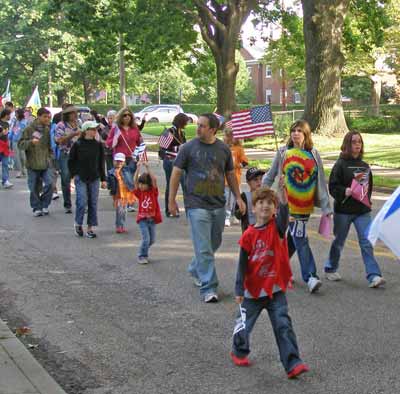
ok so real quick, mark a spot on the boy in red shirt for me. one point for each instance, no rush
(263, 276)
(149, 213)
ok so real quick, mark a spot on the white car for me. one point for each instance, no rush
(163, 113)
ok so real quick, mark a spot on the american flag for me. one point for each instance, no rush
(140, 152)
(253, 122)
(117, 133)
(165, 140)
(228, 124)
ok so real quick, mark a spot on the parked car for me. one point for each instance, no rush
(163, 113)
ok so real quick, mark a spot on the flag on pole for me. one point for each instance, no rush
(386, 225)
(165, 140)
(34, 102)
(220, 118)
(140, 152)
(6, 96)
(228, 124)
(253, 122)
(117, 133)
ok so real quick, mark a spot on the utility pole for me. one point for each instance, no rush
(283, 73)
(122, 77)
(49, 79)
(159, 92)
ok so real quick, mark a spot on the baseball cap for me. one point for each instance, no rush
(90, 124)
(119, 157)
(253, 172)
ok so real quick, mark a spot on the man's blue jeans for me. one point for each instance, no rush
(5, 170)
(285, 337)
(341, 227)
(168, 165)
(207, 226)
(40, 187)
(304, 254)
(65, 179)
(148, 231)
(87, 195)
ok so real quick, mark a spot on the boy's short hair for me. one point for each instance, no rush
(264, 193)
(43, 111)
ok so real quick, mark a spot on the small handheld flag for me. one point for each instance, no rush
(140, 152)
(165, 140)
(34, 101)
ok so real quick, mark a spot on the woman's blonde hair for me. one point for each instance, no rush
(305, 128)
(120, 116)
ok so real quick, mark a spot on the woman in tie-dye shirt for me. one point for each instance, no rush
(302, 168)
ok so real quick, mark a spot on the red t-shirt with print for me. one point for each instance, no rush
(148, 205)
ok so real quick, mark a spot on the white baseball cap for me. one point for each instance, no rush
(119, 157)
(90, 124)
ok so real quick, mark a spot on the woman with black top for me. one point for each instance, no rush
(349, 169)
(169, 154)
(86, 165)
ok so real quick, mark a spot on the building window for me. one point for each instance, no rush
(268, 71)
(280, 95)
(268, 96)
(297, 98)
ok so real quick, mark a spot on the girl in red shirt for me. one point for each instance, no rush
(149, 213)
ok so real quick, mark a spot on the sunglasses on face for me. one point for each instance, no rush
(125, 115)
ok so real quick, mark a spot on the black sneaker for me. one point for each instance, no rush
(68, 210)
(91, 234)
(78, 231)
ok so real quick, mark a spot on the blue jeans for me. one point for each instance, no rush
(285, 337)
(148, 231)
(40, 187)
(341, 227)
(230, 202)
(65, 179)
(87, 195)
(4, 166)
(168, 165)
(304, 253)
(120, 216)
(207, 227)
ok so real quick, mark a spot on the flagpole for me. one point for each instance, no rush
(276, 138)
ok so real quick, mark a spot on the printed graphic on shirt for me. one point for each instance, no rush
(264, 255)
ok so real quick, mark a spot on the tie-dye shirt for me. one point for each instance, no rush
(301, 172)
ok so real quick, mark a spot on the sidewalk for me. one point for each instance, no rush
(20, 373)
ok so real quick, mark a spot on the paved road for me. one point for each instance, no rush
(105, 325)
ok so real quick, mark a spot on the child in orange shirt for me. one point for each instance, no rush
(120, 183)
(240, 161)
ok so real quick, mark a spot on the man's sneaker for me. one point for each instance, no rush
(333, 276)
(240, 362)
(235, 220)
(90, 234)
(7, 185)
(298, 370)
(78, 231)
(37, 213)
(227, 223)
(377, 281)
(68, 210)
(211, 297)
(45, 211)
(55, 196)
(196, 282)
(313, 284)
(142, 260)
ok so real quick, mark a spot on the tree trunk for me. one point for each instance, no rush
(376, 90)
(86, 91)
(61, 96)
(122, 77)
(323, 30)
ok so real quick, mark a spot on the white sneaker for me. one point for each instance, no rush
(333, 276)
(211, 297)
(55, 196)
(130, 208)
(377, 281)
(227, 223)
(142, 260)
(235, 220)
(313, 284)
(7, 185)
(196, 282)
(45, 211)
(37, 213)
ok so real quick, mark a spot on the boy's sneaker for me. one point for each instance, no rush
(298, 370)
(313, 284)
(55, 196)
(240, 362)
(377, 281)
(211, 297)
(333, 276)
(131, 209)
(227, 223)
(7, 185)
(37, 213)
(90, 234)
(142, 260)
(45, 211)
(78, 231)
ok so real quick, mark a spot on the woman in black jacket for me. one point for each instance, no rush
(86, 165)
(350, 170)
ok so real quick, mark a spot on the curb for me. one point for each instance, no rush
(20, 371)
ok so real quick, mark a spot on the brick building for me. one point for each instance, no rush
(267, 85)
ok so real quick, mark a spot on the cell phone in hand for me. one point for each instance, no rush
(37, 135)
